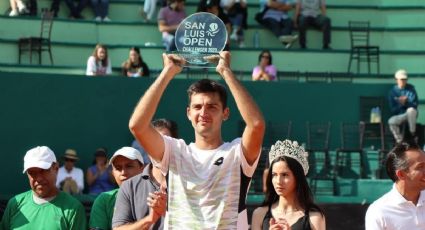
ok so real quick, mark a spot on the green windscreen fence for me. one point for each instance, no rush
(84, 113)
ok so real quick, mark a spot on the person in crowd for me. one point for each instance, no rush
(213, 7)
(312, 13)
(237, 12)
(31, 7)
(17, 7)
(44, 206)
(288, 201)
(200, 174)
(100, 9)
(70, 178)
(99, 175)
(134, 66)
(126, 163)
(99, 63)
(149, 8)
(133, 194)
(264, 176)
(169, 18)
(75, 10)
(277, 20)
(403, 101)
(165, 127)
(265, 71)
(403, 207)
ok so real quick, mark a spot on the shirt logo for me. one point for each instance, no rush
(219, 161)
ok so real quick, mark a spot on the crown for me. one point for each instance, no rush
(289, 149)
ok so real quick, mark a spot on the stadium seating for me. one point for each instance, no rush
(394, 26)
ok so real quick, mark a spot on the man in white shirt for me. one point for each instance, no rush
(403, 207)
(70, 178)
(208, 180)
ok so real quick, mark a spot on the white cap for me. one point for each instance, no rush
(127, 152)
(400, 74)
(39, 157)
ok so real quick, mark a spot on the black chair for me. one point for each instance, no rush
(388, 144)
(351, 143)
(41, 43)
(257, 178)
(277, 131)
(293, 76)
(361, 50)
(318, 136)
(366, 104)
(197, 73)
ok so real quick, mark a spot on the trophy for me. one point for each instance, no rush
(199, 39)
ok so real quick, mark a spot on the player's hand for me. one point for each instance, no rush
(173, 63)
(224, 62)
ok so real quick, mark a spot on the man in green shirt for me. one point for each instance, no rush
(126, 163)
(44, 206)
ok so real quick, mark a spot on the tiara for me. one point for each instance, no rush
(289, 149)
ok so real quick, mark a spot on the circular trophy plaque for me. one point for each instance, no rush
(199, 38)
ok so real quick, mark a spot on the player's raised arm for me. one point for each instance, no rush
(140, 122)
(252, 137)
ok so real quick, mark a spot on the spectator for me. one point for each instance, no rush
(74, 11)
(165, 127)
(237, 12)
(31, 8)
(135, 144)
(288, 202)
(312, 13)
(403, 102)
(149, 9)
(126, 163)
(277, 20)
(403, 207)
(213, 7)
(265, 71)
(126, 216)
(265, 174)
(205, 179)
(99, 63)
(99, 175)
(17, 8)
(134, 66)
(169, 18)
(70, 178)
(100, 8)
(44, 206)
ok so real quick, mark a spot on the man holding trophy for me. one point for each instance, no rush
(208, 180)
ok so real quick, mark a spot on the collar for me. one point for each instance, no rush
(146, 172)
(398, 199)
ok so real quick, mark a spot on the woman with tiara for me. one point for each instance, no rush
(288, 203)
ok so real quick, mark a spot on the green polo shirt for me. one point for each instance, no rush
(103, 210)
(63, 212)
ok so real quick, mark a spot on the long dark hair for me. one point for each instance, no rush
(266, 52)
(140, 59)
(94, 54)
(303, 193)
